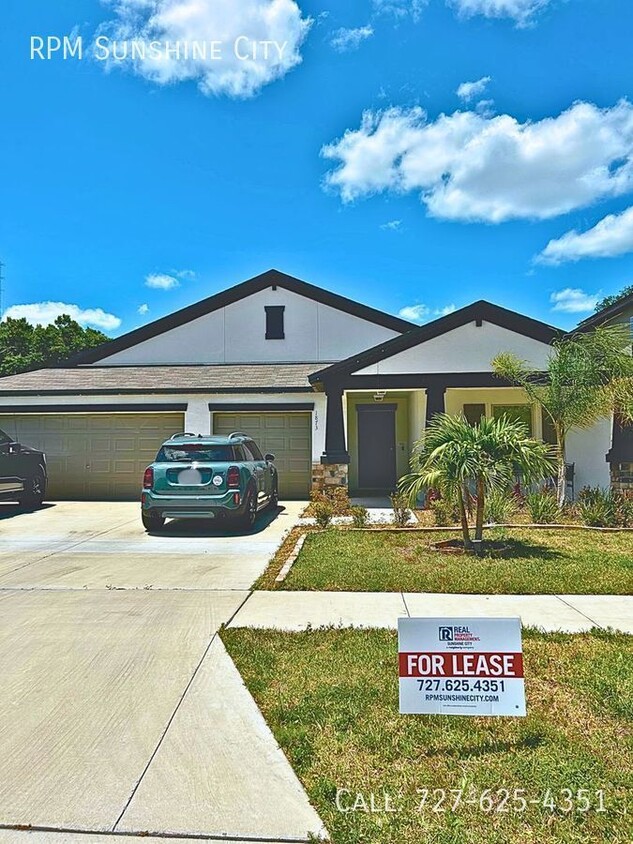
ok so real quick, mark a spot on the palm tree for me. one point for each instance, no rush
(589, 376)
(453, 454)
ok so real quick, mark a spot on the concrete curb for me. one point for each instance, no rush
(285, 569)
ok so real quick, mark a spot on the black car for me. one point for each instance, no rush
(22, 473)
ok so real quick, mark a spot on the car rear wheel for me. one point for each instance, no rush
(34, 491)
(151, 521)
(248, 518)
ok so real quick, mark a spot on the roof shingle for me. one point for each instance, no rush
(218, 378)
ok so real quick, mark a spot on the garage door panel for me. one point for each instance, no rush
(286, 434)
(94, 456)
(126, 467)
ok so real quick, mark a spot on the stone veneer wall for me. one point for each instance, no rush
(332, 474)
(622, 477)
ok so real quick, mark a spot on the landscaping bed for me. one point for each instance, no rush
(331, 699)
(521, 561)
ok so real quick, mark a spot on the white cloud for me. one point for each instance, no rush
(612, 236)
(521, 11)
(400, 8)
(470, 166)
(161, 281)
(469, 90)
(187, 275)
(446, 310)
(572, 300)
(344, 40)
(192, 22)
(45, 313)
(143, 309)
(486, 108)
(392, 225)
(414, 313)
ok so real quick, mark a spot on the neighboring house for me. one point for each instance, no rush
(338, 391)
(620, 455)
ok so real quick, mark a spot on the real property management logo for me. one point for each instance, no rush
(105, 49)
(457, 636)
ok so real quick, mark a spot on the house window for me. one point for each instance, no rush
(275, 322)
(515, 413)
(474, 413)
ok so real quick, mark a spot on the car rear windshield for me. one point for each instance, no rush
(195, 452)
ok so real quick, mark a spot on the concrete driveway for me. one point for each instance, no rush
(94, 545)
(120, 710)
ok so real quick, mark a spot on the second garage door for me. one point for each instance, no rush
(286, 435)
(94, 456)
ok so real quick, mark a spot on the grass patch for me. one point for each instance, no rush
(533, 562)
(331, 699)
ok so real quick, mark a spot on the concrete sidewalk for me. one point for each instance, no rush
(300, 610)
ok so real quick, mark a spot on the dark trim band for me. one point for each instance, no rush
(422, 380)
(172, 391)
(91, 408)
(255, 407)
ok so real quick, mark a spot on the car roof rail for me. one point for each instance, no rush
(183, 434)
(238, 434)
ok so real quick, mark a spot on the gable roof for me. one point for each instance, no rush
(480, 311)
(606, 314)
(270, 278)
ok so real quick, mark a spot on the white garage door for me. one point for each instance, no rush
(99, 456)
(286, 435)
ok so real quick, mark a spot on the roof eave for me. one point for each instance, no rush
(605, 315)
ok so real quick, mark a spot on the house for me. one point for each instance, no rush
(338, 391)
(620, 455)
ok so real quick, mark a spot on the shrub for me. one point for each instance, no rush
(445, 512)
(625, 510)
(360, 516)
(543, 506)
(336, 497)
(605, 508)
(323, 512)
(401, 511)
(500, 506)
(596, 507)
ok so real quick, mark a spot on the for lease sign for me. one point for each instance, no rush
(461, 666)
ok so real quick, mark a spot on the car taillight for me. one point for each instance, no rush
(233, 477)
(148, 478)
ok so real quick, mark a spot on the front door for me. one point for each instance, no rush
(376, 446)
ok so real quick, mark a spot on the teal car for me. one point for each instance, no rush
(208, 477)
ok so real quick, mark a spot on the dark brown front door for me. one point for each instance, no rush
(376, 446)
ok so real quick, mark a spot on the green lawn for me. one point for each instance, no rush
(535, 562)
(331, 699)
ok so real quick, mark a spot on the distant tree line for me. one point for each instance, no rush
(24, 346)
(612, 300)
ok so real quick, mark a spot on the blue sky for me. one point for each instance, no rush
(111, 181)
